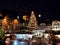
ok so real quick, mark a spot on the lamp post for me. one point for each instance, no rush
(25, 17)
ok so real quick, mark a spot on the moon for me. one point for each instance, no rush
(39, 15)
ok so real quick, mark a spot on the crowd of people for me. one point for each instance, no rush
(35, 40)
(40, 41)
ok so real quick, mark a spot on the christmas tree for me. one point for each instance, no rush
(1, 33)
(33, 22)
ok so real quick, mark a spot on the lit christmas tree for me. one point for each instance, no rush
(2, 33)
(1, 30)
(33, 22)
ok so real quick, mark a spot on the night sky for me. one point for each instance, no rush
(49, 9)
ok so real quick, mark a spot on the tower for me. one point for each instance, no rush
(33, 22)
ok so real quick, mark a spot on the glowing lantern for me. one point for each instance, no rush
(4, 22)
(25, 17)
(15, 22)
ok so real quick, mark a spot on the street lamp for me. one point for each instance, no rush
(25, 17)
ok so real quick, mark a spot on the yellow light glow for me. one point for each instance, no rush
(15, 22)
(25, 17)
(4, 22)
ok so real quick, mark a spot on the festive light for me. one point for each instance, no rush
(4, 21)
(25, 17)
(15, 22)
